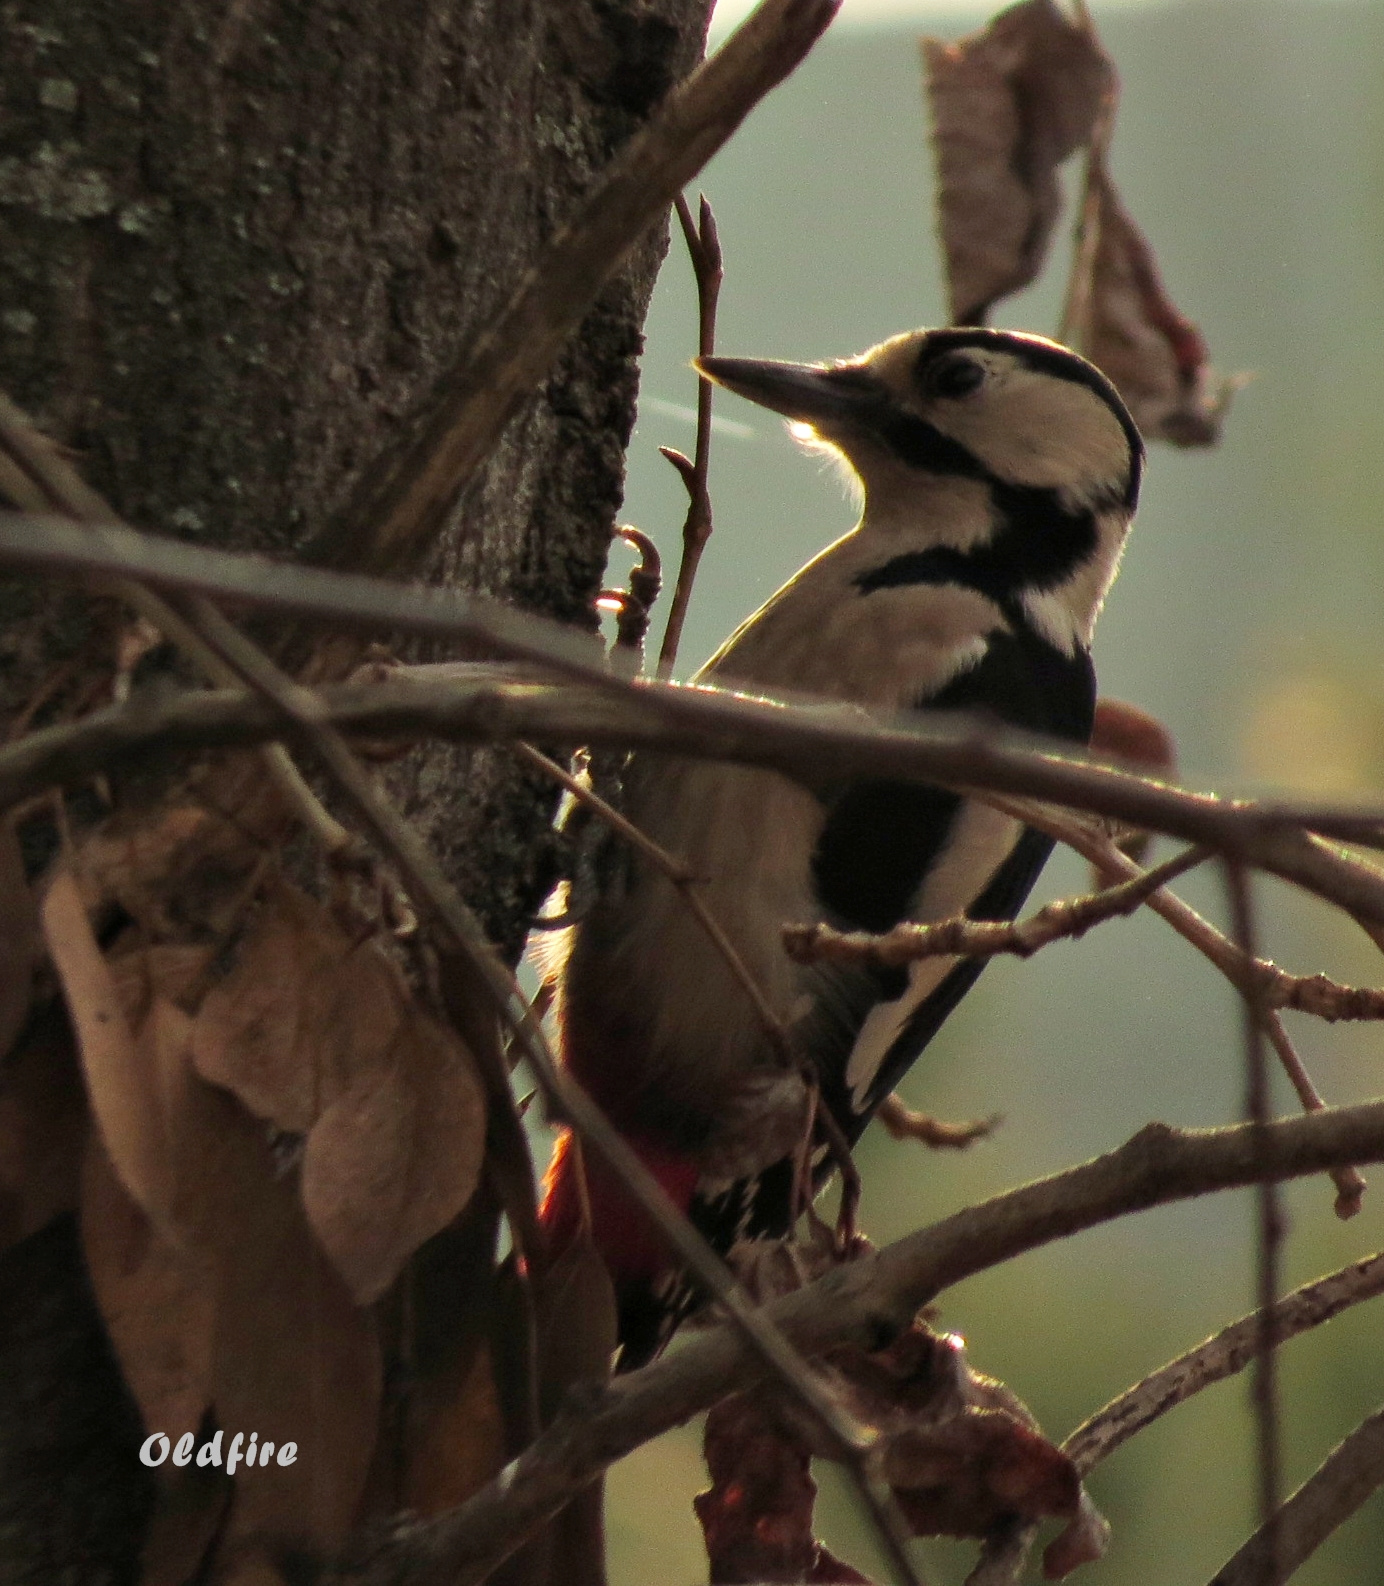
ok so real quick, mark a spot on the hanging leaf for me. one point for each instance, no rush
(1009, 104)
(397, 1154)
(18, 938)
(1132, 329)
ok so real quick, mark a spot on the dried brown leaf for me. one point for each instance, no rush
(121, 1075)
(756, 1516)
(300, 1015)
(1009, 104)
(18, 938)
(396, 1156)
(1082, 1540)
(173, 971)
(157, 1301)
(449, 1436)
(961, 1451)
(294, 1359)
(130, 860)
(458, 1444)
(578, 1325)
(578, 1330)
(1132, 329)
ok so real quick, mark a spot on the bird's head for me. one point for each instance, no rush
(1000, 447)
(969, 402)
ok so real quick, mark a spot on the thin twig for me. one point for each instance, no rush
(963, 937)
(1264, 1387)
(1222, 1356)
(433, 893)
(1350, 1182)
(704, 248)
(862, 1302)
(1350, 1473)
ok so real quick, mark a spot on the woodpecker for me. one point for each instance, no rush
(998, 474)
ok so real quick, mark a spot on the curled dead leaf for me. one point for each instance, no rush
(396, 1155)
(142, 973)
(1131, 329)
(1009, 104)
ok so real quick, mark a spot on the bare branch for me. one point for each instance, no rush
(704, 247)
(967, 938)
(1269, 1243)
(823, 739)
(863, 1302)
(1229, 1352)
(1326, 1500)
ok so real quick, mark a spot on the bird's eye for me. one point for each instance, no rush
(953, 376)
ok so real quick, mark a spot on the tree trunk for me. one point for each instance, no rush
(238, 239)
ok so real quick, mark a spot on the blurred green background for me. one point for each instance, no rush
(1248, 617)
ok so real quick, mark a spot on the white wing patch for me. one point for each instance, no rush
(981, 839)
(884, 1024)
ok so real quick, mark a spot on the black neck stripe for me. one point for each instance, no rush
(1038, 547)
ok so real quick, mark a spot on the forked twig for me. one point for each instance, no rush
(1220, 1356)
(704, 248)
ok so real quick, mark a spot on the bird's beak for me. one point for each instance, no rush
(808, 392)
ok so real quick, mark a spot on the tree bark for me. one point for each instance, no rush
(238, 239)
